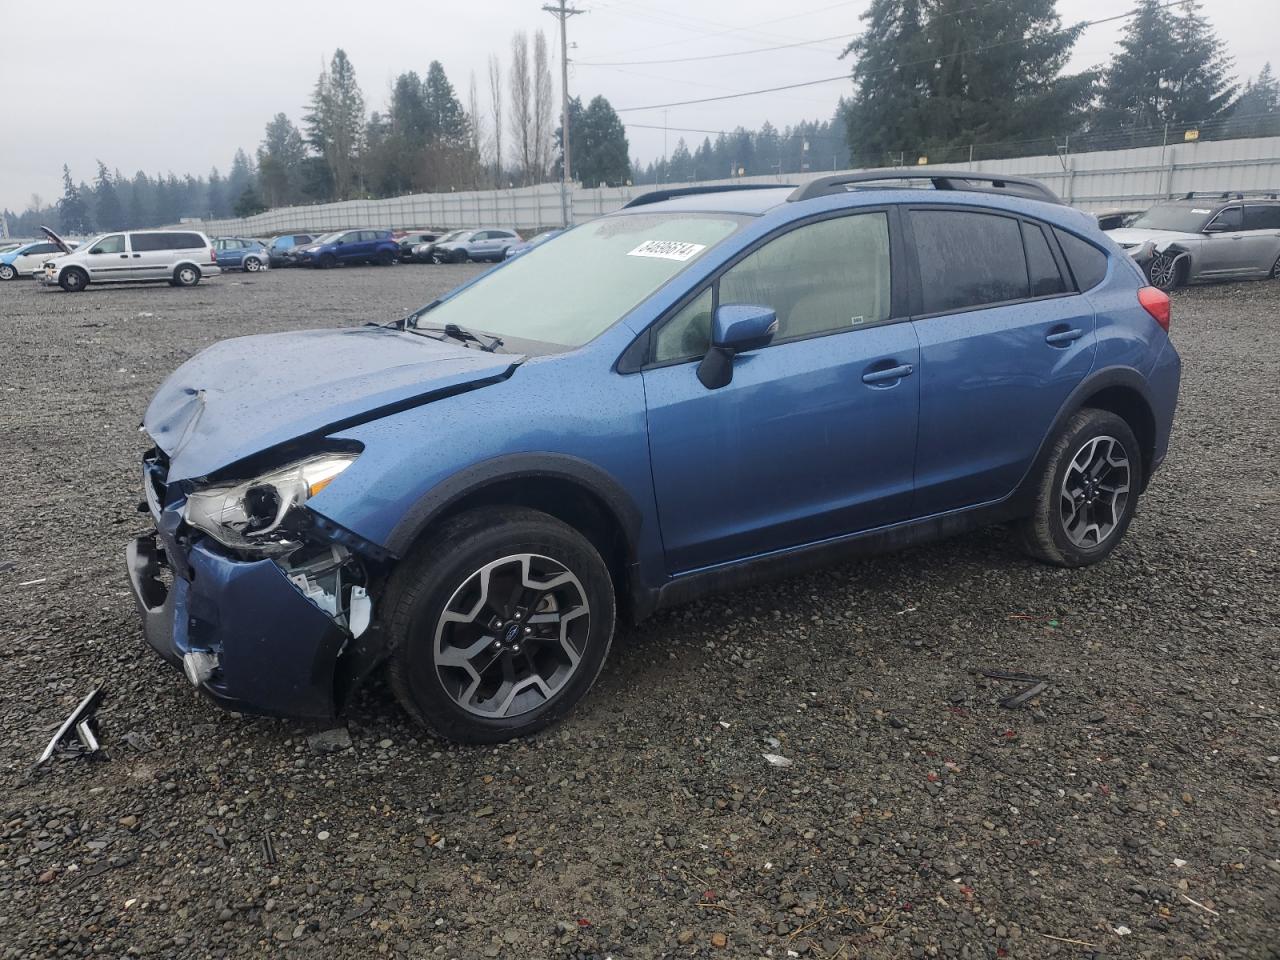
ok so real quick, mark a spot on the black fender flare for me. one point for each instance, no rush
(1094, 383)
(516, 466)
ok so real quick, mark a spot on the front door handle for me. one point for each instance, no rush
(1063, 337)
(885, 376)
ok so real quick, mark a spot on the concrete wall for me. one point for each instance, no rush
(1091, 181)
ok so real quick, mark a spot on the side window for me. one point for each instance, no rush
(1262, 216)
(1229, 218)
(1087, 262)
(968, 259)
(688, 334)
(144, 242)
(42, 248)
(1046, 278)
(819, 278)
(111, 244)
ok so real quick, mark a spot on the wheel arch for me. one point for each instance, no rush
(572, 490)
(1119, 390)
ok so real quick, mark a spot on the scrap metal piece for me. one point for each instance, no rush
(1036, 686)
(79, 722)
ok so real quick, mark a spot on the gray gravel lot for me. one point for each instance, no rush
(1131, 811)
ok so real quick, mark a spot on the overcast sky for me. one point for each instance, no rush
(164, 86)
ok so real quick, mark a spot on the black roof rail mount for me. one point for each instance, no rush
(941, 179)
(657, 196)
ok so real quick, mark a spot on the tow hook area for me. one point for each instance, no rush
(333, 579)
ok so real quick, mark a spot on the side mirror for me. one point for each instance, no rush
(735, 328)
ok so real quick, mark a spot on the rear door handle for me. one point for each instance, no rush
(1063, 337)
(884, 376)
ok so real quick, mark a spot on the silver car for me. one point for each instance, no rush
(476, 245)
(1198, 238)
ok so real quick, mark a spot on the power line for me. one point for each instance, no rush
(844, 76)
(712, 56)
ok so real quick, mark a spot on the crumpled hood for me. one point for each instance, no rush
(242, 396)
(1128, 236)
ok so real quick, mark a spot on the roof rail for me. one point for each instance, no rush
(1264, 194)
(657, 196)
(941, 179)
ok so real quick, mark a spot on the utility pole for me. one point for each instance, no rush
(562, 12)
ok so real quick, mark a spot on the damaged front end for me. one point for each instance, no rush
(265, 605)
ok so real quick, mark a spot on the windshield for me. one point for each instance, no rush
(328, 237)
(1174, 217)
(611, 264)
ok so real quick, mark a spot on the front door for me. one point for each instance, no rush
(1003, 342)
(814, 436)
(1222, 254)
(109, 259)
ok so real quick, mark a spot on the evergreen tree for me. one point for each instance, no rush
(241, 175)
(448, 121)
(280, 157)
(73, 212)
(1170, 69)
(889, 79)
(107, 210)
(249, 202)
(336, 124)
(141, 209)
(215, 195)
(601, 155)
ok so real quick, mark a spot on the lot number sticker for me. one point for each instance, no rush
(668, 250)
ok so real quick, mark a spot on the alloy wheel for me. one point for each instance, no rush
(252, 265)
(7, 272)
(1094, 492)
(1163, 273)
(512, 635)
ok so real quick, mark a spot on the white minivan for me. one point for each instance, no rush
(180, 257)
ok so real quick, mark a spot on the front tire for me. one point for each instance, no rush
(459, 256)
(499, 624)
(73, 280)
(1166, 272)
(1088, 492)
(186, 276)
(327, 261)
(7, 271)
(252, 264)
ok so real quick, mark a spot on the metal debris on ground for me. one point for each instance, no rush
(268, 850)
(1035, 686)
(80, 726)
(776, 760)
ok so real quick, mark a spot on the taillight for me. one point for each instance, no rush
(213, 255)
(1156, 302)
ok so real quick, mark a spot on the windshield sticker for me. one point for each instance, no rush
(668, 250)
(1199, 210)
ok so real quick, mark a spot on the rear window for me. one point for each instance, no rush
(167, 241)
(1087, 262)
(968, 259)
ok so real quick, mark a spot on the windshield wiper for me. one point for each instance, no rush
(486, 341)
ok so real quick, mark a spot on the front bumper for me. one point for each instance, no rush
(273, 651)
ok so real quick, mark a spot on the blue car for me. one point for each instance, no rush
(280, 247)
(736, 384)
(345, 247)
(237, 253)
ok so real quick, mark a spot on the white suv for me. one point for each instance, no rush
(181, 257)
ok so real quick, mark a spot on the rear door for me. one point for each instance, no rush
(151, 256)
(814, 436)
(1004, 339)
(1262, 237)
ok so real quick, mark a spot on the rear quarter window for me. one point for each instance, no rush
(1088, 264)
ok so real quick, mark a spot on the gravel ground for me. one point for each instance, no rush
(1130, 811)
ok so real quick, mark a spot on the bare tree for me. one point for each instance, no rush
(477, 129)
(521, 119)
(495, 107)
(542, 107)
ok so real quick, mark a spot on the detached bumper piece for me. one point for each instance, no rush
(240, 630)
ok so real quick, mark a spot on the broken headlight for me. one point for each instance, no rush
(248, 515)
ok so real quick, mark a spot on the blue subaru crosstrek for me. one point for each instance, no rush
(734, 385)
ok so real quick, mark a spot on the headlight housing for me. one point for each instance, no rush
(248, 515)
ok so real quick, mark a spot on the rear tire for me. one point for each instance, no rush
(73, 280)
(386, 258)
(1088, 492)
(186, 276)
(1275, 270)
(478, 654)
(7, 272)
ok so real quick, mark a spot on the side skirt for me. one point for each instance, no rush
(794, 561)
